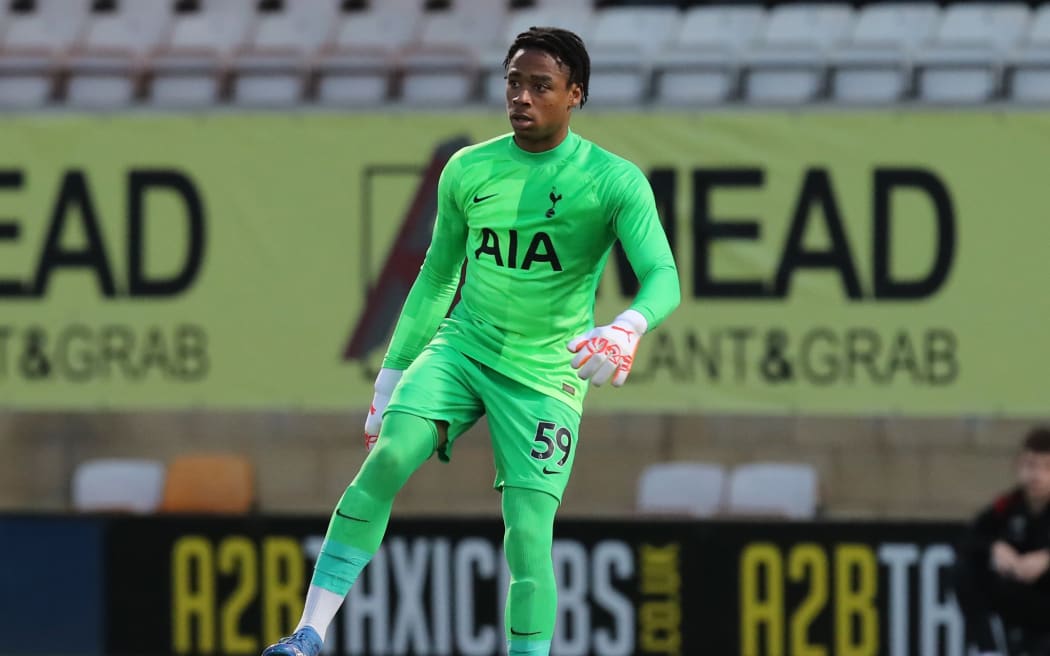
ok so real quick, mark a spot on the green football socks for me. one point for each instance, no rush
(360, 519)
(532, 602)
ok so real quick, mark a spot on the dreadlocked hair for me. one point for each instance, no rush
(566, 47)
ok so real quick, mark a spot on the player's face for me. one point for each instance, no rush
(539, 100)
(1033, 472)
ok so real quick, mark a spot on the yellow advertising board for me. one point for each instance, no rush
(830, 263)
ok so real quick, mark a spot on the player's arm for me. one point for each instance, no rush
(432, 293)
(428, 300)
(608, 351)
(636, 224)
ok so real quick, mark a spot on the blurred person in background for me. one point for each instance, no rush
(1003, 563)
(535, 213)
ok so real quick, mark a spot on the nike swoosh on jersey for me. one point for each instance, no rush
(351, 518)
(478, 199)
(550, 471)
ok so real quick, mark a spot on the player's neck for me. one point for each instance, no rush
(544, 145)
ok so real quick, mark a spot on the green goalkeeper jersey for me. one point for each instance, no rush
(536, 230)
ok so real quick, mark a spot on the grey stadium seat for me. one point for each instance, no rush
(1030, 80)
(188, 69)
(789, 62)
(105, 68)
(272, 69)
(773, 489)
(442, 68)
(692, 489)
(964, 62)
(32, 44)
(356, 69)
(874, 66)
(622, 48)
(701, 64)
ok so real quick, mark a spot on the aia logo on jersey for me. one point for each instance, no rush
(503, 248)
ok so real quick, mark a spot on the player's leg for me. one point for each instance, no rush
(532, 600)
(431, 405)
(534, 444)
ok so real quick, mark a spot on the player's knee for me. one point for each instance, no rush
(405, 442)
(386, 460)
(526, 544)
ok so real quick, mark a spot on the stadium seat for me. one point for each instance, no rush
(273, 81)
(964, 62)
(776, 489)
(118, 485)
(26, 81)
(576, 18)
(48, 26)
(189, 69)
(302, 27)
(355, 70)
(701, 64)
(622, 45)
(271, 70)
(209, 483)
(1030, 79)
(874, 66)
(106, 65)
(692, 488)
(788, 64)
(442, 67)
(32, 44)
(572, 5)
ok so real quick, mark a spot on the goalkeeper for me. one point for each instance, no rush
(535, 213)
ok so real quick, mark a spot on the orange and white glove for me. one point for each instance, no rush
(608, 351)
(386, 381)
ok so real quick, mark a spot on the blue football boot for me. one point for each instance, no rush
(304, 642)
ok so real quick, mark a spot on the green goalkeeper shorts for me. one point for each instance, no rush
(533, 435)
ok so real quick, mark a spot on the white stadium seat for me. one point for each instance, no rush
(303, 27)
(964, 62)
(132, 485)
(106, 64)
(442, 68)
(701, 64)
(272, 69)
(50, 26)
(218, 27)
(188, 69)
(777, 489)
(31, 47)
(623, 43)
(696, 489)
(1031, 75)
(788, 63)
(875, 65)
(356, 69)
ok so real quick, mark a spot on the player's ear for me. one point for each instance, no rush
(575, 95)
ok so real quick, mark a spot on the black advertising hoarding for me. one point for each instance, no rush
(229, 586)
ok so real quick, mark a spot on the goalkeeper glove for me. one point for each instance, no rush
(608, 351)
(386, 381)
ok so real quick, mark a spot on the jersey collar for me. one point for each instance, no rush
(559, 152)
